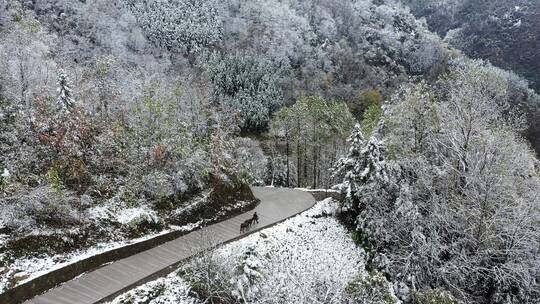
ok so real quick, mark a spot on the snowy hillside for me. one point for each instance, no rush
(122, 120)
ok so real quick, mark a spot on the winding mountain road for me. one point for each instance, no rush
(277, 204)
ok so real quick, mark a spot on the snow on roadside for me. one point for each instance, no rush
(31, 268)
(130, 215)
(22, 270)
(326, 207)
(307, 255)
(167, 290)
(318, 190)
(117, 212)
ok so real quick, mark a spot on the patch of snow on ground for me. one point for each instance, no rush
(171, 289)
(102, 211)
(188, 227)
(326, 207)
(318, 190)
(129, 215)
(120, 214)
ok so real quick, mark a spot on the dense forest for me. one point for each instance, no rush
(121, 119)
(503, 32)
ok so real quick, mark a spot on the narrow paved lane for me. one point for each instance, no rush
(276, 205)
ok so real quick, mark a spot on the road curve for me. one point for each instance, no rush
(277, 204)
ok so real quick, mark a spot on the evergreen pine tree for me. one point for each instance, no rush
(348, 166)
(65, 92)
(247, 275)
(4, 175)
(374, 163)
(363, 164)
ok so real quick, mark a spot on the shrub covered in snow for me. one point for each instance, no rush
(372, 288)
(247, 275)
(157, 186)
(43, 206)
(250, 161)
(207, 279)
(139, 220)
(5, 174)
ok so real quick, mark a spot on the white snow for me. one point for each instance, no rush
(317, 190)
(126, 216)
(117, 212)
(323, 208)
(6, 173)
(188, 227)
(101, 211)
(173, 290)
(3, 238)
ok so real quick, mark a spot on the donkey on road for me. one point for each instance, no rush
(249, 222)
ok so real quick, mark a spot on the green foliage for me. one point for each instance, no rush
(371, 118)
(372, 288)
(363, 239)
(365, 100)
(371, 102)
(416, 108)
(371, 98)
(433, 297)
(27, 23)
(69, 172)
(315, 130)
(53, 177)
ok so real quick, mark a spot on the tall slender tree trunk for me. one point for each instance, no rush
(298, 162)
(287, 159)
(24, 83)
(314, 151)
(334, 160)
(319, 157)
(306, 179)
